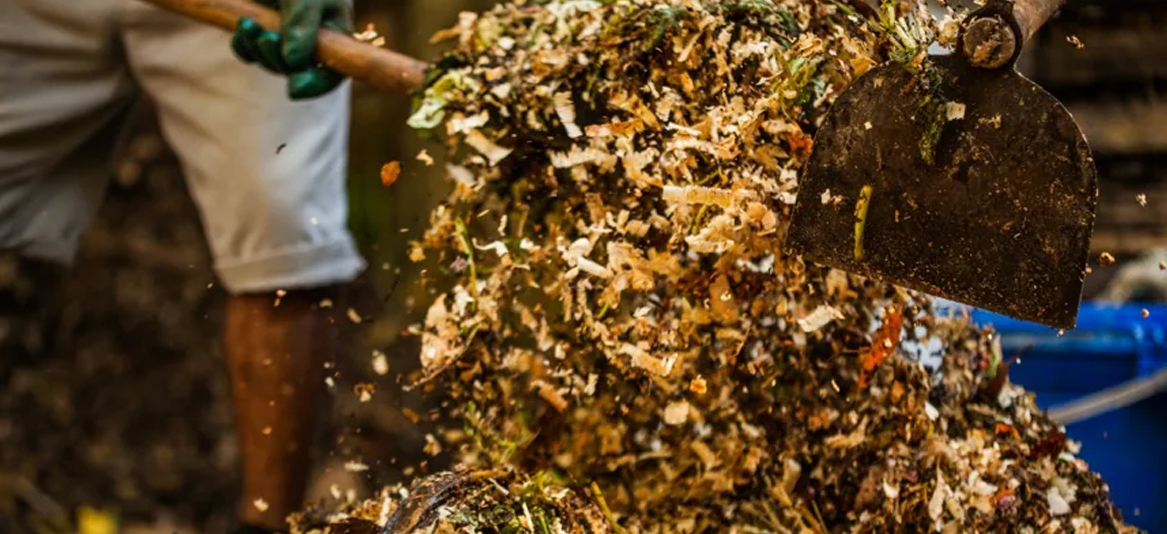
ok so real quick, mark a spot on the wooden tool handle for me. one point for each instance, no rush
(381, 68)
(1031, 15)
(995, 34)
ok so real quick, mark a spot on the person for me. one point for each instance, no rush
(265, 159)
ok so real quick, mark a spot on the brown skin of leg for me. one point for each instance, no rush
(276, 355)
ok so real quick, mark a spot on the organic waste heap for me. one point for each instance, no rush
(626, 342)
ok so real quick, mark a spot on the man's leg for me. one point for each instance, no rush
(276, 355)
(269, 177)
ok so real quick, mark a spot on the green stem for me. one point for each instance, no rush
(861, 219)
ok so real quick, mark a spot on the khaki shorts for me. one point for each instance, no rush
(275, 218)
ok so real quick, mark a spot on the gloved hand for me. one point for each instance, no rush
(290, 52)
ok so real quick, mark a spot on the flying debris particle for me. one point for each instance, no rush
(460, 175)
(370, 36)
(1145, 313)
(425, 157)
(1105, 259)
(354, 466)
(1141, 198)
(260, 505)
(353, 316)
(493, 152)
(390, 172)
(1074, 40)
(433, 447)
(413, 416)
(364, 391)
(281, 148)
(380, 363)
(267, 430)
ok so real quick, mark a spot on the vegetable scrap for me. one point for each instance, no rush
(624, 340)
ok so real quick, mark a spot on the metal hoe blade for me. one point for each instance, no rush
(999, 215)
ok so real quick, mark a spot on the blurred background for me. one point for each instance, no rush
(130, 418)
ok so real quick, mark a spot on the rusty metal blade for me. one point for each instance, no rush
(998, 216)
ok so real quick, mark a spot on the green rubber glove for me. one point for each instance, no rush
(290, 51)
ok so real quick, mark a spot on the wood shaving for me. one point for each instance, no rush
(355, 467)
(364, 391)
(380, 363)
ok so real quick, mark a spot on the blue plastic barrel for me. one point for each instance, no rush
(1111, 345)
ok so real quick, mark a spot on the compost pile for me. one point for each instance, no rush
(623, 327)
